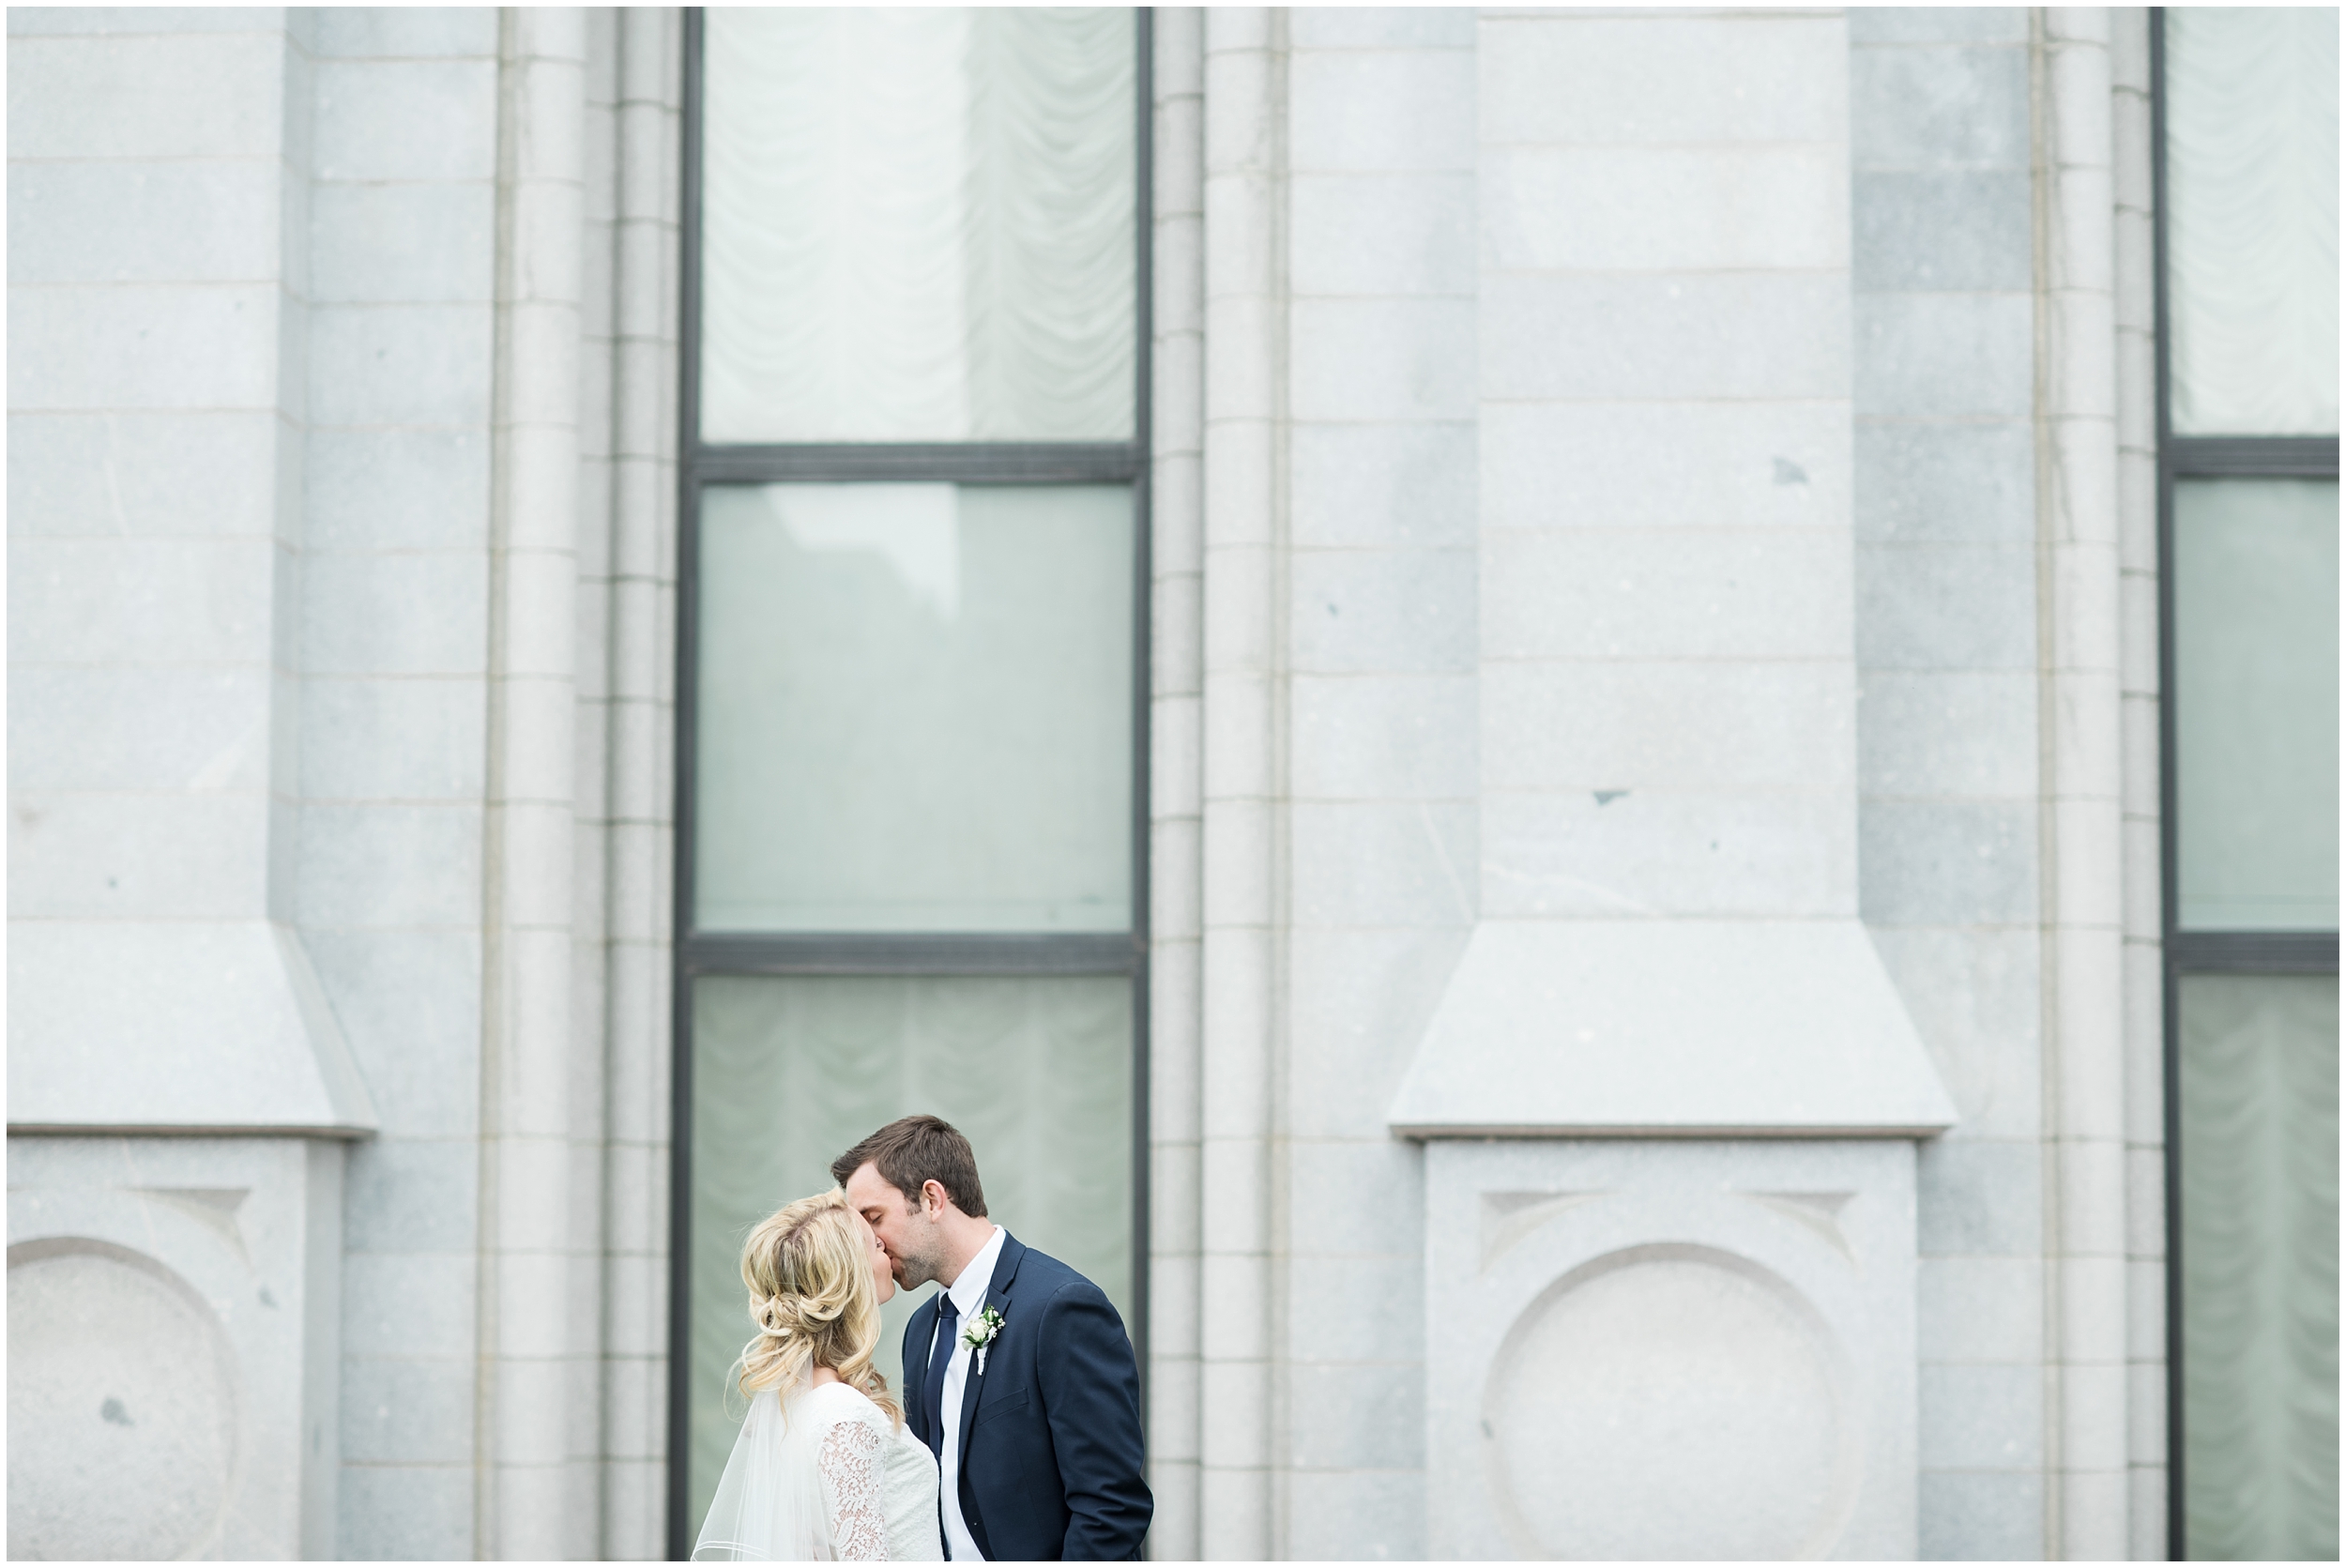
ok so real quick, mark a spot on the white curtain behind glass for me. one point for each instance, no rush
(2258, 1063)
(789, 1071)
(917, 225)
(2252, 219)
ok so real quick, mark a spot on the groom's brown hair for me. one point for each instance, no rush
(914, 1151)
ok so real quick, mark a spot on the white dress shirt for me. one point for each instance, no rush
(968, 1293)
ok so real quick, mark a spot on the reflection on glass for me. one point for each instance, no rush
(915, 709)
(2256, 704)
(789, 1072)
(2252, 219)
(917, 225)
(2258, 1061)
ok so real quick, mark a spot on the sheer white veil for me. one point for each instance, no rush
(768, 1506)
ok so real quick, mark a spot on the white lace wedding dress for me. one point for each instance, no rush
(835, 1481)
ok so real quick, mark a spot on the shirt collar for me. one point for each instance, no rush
(969, 1286)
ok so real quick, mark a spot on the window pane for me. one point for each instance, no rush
(2260, 1266)
(917, 225)
(2252, 219)
(915, 709)
(789, 1072)
(2256, 704)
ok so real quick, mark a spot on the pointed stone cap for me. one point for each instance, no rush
(1671, 1028)
(196, 1027)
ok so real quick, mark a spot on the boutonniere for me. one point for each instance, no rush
(983, 1331)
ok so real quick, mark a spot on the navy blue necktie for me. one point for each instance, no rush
(933, 1381)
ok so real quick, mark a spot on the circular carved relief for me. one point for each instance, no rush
(121, 1406)
(1671, 1402)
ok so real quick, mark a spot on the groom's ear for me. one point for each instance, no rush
(934, 1198)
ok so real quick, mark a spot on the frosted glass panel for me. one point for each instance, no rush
(787, 1074)
(917, 225)
(2256, 704)
(915, 709)
(2252, 219)
(2260, 1266)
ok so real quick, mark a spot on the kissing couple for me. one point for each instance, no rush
(1020, 1389)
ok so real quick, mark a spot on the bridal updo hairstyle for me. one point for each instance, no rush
(813, 1300)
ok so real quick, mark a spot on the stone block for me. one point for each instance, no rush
(1982, 1515)
(1960, 229)
(1665, 210)
(413, 739)
(414, 1196)
(1359, 1002)
(1668, 464)
(1357, 1515)
(421, 32)
(1955, 106)
(1645, 337)
(377, 866)
(1363, 1195)
(1679, 593)
(1381, 234)
(1973, 995)
(1970, 481)
(428, 242)
(85, 222)
(170, 857)
(1926, 354)
(143, 347)
(173, 1315)
(1353, 1417)
(123, 473)
(181, 94)
(1395, 612)
(1980, 1197)
(400, 365)
(1878, 24)
(1407, 27)
(1697, 854)
(1947, 607)
(409, 1304)
(1383, 1306)
(1948, 862)
(1380, 109)
(1663, 79)
(1370, 738)
(1981, 1417)
(1980, 1309)
(1947, 733)
(419, 1512)
(1382, 485)
(1624, 726)
(1381, 864)
(1388, 360)
(397, 489)
(98, 601)
(408, 1410)
(406, 119)
(55, 20)
(409, 1003)
(82, 727)
(1713, 1340)
(423, 614)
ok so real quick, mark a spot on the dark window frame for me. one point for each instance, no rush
(2199, 952)
(697, 952)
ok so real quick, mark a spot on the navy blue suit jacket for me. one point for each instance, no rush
(1050, 1433)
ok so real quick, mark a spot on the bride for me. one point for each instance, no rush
(824, 1467)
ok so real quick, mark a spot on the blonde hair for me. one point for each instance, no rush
(813, 1300)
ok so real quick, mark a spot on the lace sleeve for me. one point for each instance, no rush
(849, 1466)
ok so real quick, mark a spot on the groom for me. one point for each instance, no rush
(1037, 1436)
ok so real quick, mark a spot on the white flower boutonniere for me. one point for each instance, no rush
(983, 1328)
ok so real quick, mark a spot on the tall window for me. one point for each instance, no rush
(2248, 469)
(909, 875)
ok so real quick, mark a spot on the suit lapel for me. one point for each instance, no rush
(996, 1296)
(919, 1330)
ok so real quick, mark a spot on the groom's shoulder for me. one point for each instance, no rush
(1040, 1268)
